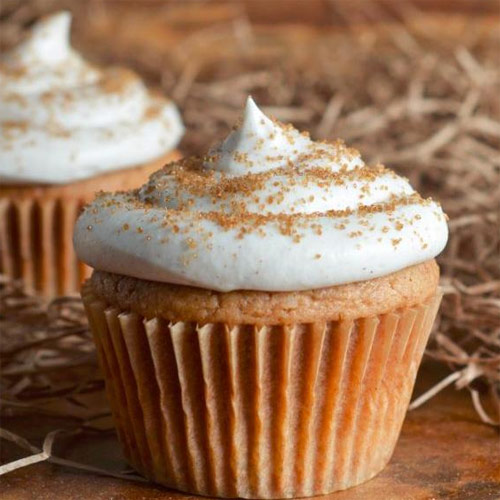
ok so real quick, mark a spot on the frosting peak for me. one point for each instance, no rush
(256, 145)
(270, 210)
(259, 144)
(63, 119)
(48, 42)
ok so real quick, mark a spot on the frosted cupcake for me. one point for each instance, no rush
(260, 314)
(67, 130)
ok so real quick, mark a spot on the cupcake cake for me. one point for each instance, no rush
(260, 313)
(67, 130)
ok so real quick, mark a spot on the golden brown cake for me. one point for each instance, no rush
(403, 289)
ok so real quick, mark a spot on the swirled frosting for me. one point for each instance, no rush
(268, 209)
(62, 119)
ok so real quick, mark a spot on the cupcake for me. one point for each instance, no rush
(260, 313)
(68, 129)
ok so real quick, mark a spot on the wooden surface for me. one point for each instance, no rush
(444, 452)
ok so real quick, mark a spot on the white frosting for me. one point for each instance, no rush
(62, 119)
(269, 209)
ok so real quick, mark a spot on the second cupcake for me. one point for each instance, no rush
(67, 130)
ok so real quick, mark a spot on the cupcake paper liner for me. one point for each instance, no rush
(259, 411)
(37, 222)
(36, 244)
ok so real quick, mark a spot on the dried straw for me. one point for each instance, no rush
(419, 93)
(48, 359)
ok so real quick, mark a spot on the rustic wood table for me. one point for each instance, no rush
(444, 452)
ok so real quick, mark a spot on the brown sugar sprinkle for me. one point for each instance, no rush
(152, 112)
(191, 243)
(317, 229)
(242, 158)
(287, 224)
(116, 80)
(11, 129)
(192, 177)
(14, 71)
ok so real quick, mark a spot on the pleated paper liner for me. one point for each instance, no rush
(36, 228)
(259, 412)
(36, 244)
